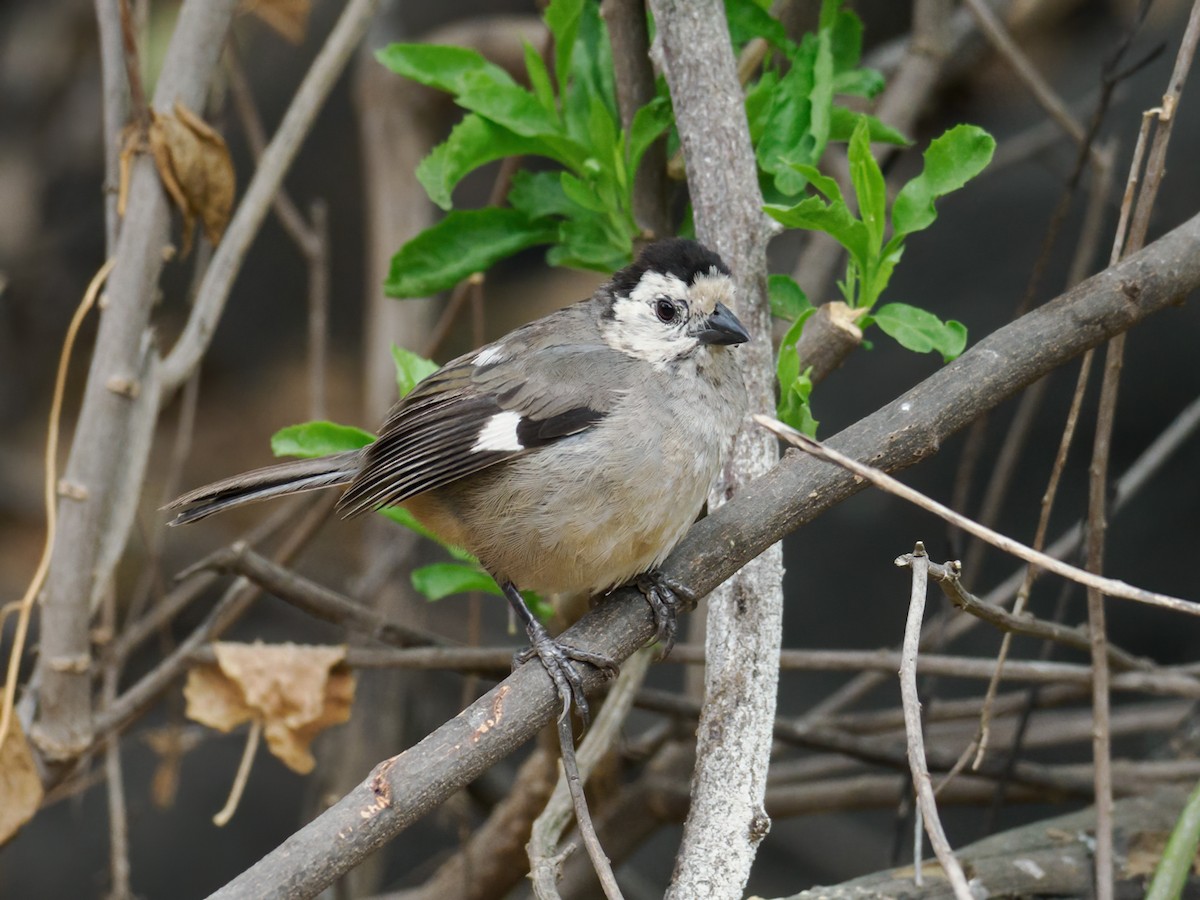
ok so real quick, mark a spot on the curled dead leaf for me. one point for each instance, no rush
(20, 787)
(288, 18)
(196, 170)
(296, 691)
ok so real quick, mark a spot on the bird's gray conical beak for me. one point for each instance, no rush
(723, 327)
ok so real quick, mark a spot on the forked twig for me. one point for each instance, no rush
(918, 561)
(1112, 587)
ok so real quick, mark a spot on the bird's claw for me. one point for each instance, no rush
(664, 605)
(559, 661)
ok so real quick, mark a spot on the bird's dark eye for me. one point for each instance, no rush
(665, 310)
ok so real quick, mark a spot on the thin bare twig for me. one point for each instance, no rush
(310, 236)
(1098, 481)
(1097, 630)
(918, 561)
(549, 826)
(317, 257)
(136, 632)
(315, 599)
(235, 601)
(1023, 623)
(221, 818)
(1135, 674)
(1110, 586)
(1085, 250)
(1128, 486)
(276, 158)
(50, 498)
(118, 816)
(999, 37)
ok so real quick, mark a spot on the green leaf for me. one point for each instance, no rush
(880, 273)
(794, 126)
(843, 121)
(443, 579)
(506, 103)
(834, 219)
(920, 330)
(411, 368)
(845, 35)
(539, 607)
(590, 74)
(540, 194)
(539, 78)
(602, 128)
(869, 189)
(309, 440)
(443, 67)
(829, 12)
(859, 83)
(787, 299)
(562, 18)
(581, 193)
(795, 386)
(822, 92)
(473, 142)
(748, 20)
(950, 162)
(823, 184)
(591, 242)
(648, 124)
(463, 243)
(759, 98)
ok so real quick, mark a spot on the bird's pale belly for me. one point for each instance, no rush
(582, 536)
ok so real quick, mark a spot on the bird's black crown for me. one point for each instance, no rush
(680, 257)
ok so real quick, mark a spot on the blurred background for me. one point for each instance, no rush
(974, 265)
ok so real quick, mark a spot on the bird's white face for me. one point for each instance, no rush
(663, 318)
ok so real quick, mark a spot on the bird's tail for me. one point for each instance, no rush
(263, 484)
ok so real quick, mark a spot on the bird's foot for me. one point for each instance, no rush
(663, 598)
(560, 661)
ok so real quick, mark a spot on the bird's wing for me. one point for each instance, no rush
(482, 409)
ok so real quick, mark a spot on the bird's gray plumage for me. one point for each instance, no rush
(570, 455)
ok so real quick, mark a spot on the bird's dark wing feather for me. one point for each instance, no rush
(530, 396)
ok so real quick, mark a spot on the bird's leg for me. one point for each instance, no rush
(558, 659)
(663, 598)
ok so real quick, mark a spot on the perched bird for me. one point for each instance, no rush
(570, 456)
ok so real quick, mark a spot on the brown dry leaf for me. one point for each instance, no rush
(20, 787)
(289, 18)
(196, 171)
(1145, 853)
(297, 691)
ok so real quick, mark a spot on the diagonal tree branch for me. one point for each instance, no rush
(907, 430)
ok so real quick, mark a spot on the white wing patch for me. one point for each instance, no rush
(499, 434)
(489, 355)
